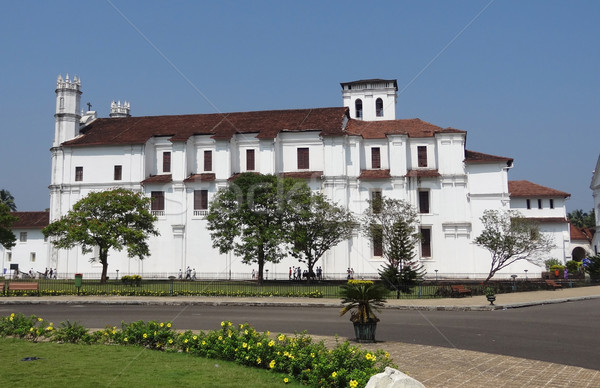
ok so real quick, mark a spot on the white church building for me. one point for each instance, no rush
(351, 153)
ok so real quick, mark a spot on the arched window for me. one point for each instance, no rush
(358, 106)
(61, 104)
(379, 107)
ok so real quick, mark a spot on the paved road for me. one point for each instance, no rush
(563, 333)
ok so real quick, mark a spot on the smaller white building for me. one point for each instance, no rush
(31, 250)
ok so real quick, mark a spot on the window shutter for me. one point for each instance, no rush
(166, 162)
(422, 156)
(303, 163)
(158, 200)
(208, 161)
(200, 199)
(250, 160)
(375, 157)
(423, 201)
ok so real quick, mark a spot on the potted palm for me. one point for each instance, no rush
(362, 298)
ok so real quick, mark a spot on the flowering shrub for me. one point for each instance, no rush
(297, 356)
(145, 292)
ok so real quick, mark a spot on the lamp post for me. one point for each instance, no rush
(435, 274)
(117, 275)
(267, 275)
(525, 274)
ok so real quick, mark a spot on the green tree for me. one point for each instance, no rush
(7, 237)
(251, 217)
(510, 237)
(593, 267)
(7, 199)
(111, 219)
(318, 226)
(582, 219)
(394, 225)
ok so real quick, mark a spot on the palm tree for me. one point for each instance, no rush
(7, 199)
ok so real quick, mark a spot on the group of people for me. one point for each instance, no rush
(190, 274)
(296, 273)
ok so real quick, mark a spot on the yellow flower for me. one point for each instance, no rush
(12, 315)
(368, 356)
(228, 323)
(40, 319)
(387, 355)
(258, 360)
(353, 383)
(246, 332)
(49, 328)
(222, 323)
(373, 358)
(281, 337)
(145, 335)
(31, 329)
(169, 324)
(195, 337)
(170, 341)
(244, 345)
(286, 380)
(272, 364)
(334, 375)
(185, 341)
(259, 344)
(312, 355)
(162, 324)
(268, 333)
(125, 339)
(203, 342)
(220, 338)
(271, 343)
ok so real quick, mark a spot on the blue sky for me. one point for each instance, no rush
(522, 77)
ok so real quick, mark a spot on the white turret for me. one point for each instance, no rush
(68, 99)
(371, 99)
(118, 110)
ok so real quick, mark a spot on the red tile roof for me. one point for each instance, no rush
(205, 177)
(423, 173)
(374, 174)
(165, 178)
(549, 220)
(528, 189)
(303, 174)
(409, 127)
(580, 233)
(262, 124)
(478, 157)
(31, 220)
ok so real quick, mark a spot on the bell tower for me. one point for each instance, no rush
(68, 99)
(371, 99)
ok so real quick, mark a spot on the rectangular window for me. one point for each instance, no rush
(423, 201)
(118, 173)
(376, 199)
(23, 237)
(539, 203)
(422, 156)
(208, 161)
(425, 242)
(158, 203)
(303, 159)
(375, 157)
(78, 174)
(9, 256)
(200, 199)
(166, 162)
(32, 256)
(551, 203)
(249, 160)
(377, 242)
(528, 204)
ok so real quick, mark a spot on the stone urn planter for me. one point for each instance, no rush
(361, 298)
(490, 295)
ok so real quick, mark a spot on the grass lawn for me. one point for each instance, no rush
(62, 365)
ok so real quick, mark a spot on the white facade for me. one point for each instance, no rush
(31, 250)
(348, 160)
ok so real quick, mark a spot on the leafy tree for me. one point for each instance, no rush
(7, 237)
(510, 237)
(593, 267)
(7, 199)
(582, 219)
(116, 219)
(394, 224)
(318, 226)
(252, 217)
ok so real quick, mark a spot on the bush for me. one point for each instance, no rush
(308, 362)
(551, 262)
(573, 266)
